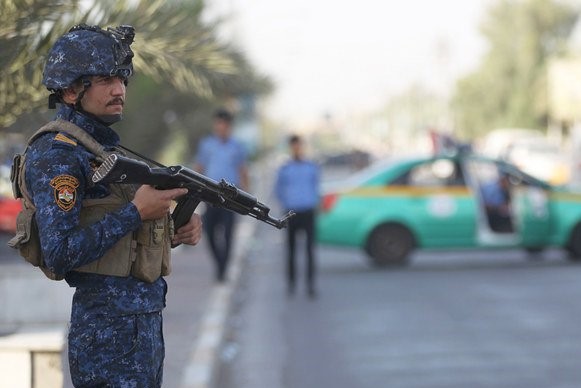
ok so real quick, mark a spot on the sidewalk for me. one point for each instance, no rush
(197, 310)
(197, 307)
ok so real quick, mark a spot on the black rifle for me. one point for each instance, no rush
(121, 169)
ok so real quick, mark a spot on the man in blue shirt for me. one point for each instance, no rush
(220, 156)
(297, 189)
(110, 242)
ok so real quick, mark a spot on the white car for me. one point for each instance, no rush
(531, 151)
(539, 158)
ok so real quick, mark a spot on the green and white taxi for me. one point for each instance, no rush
(436, 202)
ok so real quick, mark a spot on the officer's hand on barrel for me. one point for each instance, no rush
(153, 204)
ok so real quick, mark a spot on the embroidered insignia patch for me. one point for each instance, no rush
(64, 139)
(65, 191)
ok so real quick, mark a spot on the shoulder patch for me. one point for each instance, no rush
(65, 191)
(62, 138)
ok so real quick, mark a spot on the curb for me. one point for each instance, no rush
(201, 368)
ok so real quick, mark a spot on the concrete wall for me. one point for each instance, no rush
(28, 297)
(34, 313)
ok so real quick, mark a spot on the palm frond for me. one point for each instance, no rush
(172, 45)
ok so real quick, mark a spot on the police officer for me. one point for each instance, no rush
(220, 156)
(110, 242)
(297, 188)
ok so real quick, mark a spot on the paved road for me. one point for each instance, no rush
(450, 320)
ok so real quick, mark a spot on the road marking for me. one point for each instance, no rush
(204, 356)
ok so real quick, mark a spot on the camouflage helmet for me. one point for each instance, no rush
(88, 51)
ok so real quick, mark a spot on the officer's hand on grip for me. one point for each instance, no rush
(153, 204)
(190, 233)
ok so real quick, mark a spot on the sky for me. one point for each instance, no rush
(330, 57)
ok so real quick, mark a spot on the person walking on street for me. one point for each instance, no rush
(110, 242)
(220, 156)
(297, 189)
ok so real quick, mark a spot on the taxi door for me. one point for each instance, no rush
(531, 212)
(528, 220)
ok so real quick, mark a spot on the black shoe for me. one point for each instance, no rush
(312, 293)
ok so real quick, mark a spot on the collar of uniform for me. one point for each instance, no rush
(100, 132)
(222, 140)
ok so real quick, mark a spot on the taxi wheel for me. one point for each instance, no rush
(389, 245)
(574, 245)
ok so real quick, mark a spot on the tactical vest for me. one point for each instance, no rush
(144, 254)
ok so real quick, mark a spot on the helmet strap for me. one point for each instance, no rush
(86, 85)
(53, 98)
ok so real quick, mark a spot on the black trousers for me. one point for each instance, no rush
(498, 221)
(219, 227)
(302, 221)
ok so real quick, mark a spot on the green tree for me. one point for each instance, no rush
(509, 87)
(179, 60)
(24, 34)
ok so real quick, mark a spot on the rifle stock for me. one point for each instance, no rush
(124, 170)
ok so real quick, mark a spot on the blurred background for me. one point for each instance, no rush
(360, 81)
(375, 78)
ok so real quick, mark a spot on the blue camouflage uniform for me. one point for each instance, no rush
(115, 336)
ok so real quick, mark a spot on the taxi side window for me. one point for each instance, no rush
(485, 172)
(438, 173)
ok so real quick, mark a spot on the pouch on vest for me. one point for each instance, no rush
(27, 241)
(153, 244)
